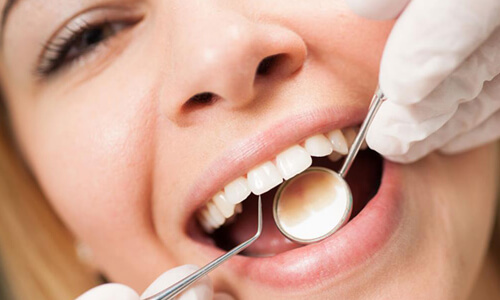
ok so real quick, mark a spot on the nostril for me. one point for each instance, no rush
(267, 65)
(201, 99)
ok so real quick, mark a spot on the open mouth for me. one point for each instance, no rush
(229, 217)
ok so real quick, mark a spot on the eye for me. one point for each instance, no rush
(75, 43)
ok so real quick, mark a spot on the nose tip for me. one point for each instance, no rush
(232, 62)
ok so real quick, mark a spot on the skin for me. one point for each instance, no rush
(116, 148)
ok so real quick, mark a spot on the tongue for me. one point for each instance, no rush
(271, 240)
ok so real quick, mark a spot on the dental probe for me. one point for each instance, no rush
(180, 286)
(377, 100)
(316, 203)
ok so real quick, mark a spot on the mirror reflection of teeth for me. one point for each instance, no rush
(294, 160)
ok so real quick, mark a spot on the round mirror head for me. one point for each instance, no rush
(312, 205)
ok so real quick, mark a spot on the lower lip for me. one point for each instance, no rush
(337, 256)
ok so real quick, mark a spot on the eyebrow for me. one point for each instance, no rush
(6, 10)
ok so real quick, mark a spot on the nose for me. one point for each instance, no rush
(226, 56)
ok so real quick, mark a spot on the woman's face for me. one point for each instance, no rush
(101, 97)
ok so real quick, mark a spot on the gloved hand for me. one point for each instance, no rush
(201, 290)
(440, 72)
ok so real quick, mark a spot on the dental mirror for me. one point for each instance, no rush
(316, 203)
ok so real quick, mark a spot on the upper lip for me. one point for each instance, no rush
(265, 145)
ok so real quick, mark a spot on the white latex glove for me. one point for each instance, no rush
(440, 72)
(201, 290)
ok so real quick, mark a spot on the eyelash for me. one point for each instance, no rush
(58, 52)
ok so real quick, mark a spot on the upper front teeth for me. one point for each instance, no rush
(350, 135)
(237, 191)
(270, 174)
(319, 145)
(338, 141)
(292, 161)
(263, 178)
(223, 204)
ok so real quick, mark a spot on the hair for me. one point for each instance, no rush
(37, 253)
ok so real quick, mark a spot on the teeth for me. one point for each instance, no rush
(238, 208)
(318, 145)
(224, 206)
(263, 178)
(215, 214)
(293, 161)
(350, 135)
(364, 145)
(208, 218)
(237, 191)
(335, 156)
(338, 141)
(207, 225)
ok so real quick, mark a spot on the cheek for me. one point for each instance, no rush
(93, 155)
(452, 215)
(471, 202)
(463, 187)
(92, 150)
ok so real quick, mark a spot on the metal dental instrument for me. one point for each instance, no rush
(377, 100)
(323, 224)
(180, 286)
